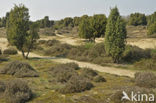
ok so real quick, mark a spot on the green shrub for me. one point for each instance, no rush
(134, 53)
(63, 72)
(76, 84)
(99, 79)
(19, 69)
(149, 64)
(145, 79)
(17, 91)
(10, 51)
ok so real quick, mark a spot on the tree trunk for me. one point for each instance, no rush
(23, 54)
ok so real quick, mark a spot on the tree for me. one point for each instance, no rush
(137, 19)
(18, 33)
(151, 29)
(32, 37)
(98, 25)
(85, 30)
(151, 18)
(115, 35)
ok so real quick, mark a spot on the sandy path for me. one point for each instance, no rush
(111, 70)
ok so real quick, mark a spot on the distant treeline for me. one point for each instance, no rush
(134, 19)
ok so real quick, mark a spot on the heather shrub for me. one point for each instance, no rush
(3, 58)
(88, 73)
(42, 41)
(10, 51)
(58, 50)
(149, 64)
(62, 72)
(99, 79)
(134, 53)
(52, 42)
(76, 84)
(72, 65)
(17, 91)
(19, 69)
(2, 88)
(117, 96)
(0, 52)
(145, 79)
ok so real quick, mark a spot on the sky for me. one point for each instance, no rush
(59, 9)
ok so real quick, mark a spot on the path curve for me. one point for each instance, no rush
(111, 70)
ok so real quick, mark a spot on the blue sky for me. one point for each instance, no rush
(58, 9)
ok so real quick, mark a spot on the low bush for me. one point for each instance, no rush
(117, 96)
(42, 41)
(10, 51)
(145, 79)
(3, 58)
(63, 72)
(134, 53)
(52, 42)
(0, 52)
(149, 64)
(76, 84)
(58, 50)
(89, 73)
(99, 79)
(72, 65)
(91, 53)
(19, 69)
(2, 88)
(17, 91)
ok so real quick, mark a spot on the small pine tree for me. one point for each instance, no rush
(115, 35)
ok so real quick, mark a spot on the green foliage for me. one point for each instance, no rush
(151, 18)
(17, 26)
(92, 27)
(19, 31)
(115, 35)
(45, 22)
(151, 29)
(137, 19)
(3, 20)
(85, 30)
(98, 25)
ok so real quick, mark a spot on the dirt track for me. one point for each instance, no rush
(111, 70)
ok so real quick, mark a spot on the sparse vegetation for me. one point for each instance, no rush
(10, 51)
(145, 79)
(19, 69)
(76, 84)
(17, 91)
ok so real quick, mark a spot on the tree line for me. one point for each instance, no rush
(23, 33)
